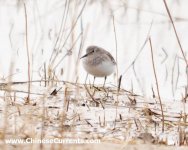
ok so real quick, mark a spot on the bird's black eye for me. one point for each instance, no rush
(91, 51)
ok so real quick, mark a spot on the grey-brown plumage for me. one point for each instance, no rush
(98, 62)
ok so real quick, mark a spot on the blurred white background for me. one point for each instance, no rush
(94, 26)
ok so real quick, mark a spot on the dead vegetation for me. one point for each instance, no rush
(74, 112)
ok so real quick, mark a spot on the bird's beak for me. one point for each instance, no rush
(84, 56)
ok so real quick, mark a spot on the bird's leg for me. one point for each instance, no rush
(94, 85)
(86, 78)
(104, 84)
(93, 81)
(104, 81)
(98, 87)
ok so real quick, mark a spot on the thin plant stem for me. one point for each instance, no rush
(173, 25)
(157, 84)
(73, 26)
(115, 36)
(61, 27)
(28, 55)
(141, 49)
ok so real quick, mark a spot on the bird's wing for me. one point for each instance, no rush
(111, 57)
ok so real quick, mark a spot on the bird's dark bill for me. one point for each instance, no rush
(83, 56)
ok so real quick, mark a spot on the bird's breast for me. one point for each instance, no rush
(99, 67)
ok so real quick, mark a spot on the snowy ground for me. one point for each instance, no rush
(77, 111)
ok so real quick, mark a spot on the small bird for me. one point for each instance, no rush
(98, 62)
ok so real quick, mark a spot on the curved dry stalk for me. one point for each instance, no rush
(141, 49)
(154, 70)
(118, 80)
(28, 57)
(59, 37)
(173, 25)
(72, 28)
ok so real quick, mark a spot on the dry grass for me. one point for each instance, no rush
(64, 114)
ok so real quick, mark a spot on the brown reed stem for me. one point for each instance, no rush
(28, 57)
(170, 16)
(157, 84)
(115, 36)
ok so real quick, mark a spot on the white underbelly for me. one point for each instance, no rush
(100, 70)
